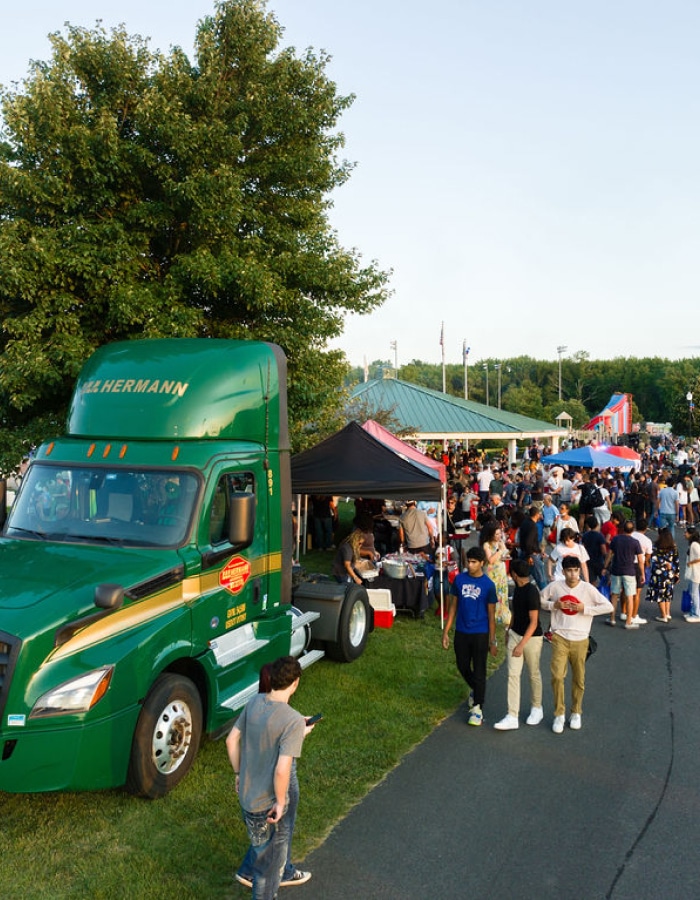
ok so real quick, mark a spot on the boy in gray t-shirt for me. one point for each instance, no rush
(264, 741)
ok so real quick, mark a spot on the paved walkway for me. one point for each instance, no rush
(611, 811)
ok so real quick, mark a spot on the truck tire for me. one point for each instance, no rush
(166, 738)
(353, 626)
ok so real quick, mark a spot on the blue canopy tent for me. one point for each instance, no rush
(588, 458)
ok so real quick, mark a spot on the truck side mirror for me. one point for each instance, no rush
(241, 527)
(109, 596)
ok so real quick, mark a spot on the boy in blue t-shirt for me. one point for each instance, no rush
(473, 603)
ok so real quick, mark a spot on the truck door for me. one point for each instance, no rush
(244, 627)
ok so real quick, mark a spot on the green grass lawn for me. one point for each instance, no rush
(110, 845)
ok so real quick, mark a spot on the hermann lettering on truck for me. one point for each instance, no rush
(146, 569)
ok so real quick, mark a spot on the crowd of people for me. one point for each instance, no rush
(574, 545)
(620, 544)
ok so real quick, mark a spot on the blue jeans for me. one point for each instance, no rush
(668, 520)
(268, 843)
(246, 867)
(323, 533)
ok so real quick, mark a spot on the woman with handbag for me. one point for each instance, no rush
(665, 574)
(692, 574)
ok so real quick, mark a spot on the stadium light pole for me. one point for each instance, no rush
(465, 356)
(486, 369)
(394, 345)
(561, 349)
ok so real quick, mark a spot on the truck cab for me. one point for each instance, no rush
(146, 566)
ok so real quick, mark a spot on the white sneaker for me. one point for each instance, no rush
(623, 617)
(638, 620)
(692, 618)
(536, 716)
(575, 721)
(297, 877)
(475, 716)
(558, 724)
(507, 723)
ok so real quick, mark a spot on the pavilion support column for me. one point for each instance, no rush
(512, 452)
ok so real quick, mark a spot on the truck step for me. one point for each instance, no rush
(306, 659)
(300, 619)
(236, 645)
(239, 700)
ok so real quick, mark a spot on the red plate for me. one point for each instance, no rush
(569, 597)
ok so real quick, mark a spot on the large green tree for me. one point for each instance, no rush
(142, 193)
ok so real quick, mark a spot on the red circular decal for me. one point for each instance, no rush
(234, 575)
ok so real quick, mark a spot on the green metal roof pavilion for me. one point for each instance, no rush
(430, 415)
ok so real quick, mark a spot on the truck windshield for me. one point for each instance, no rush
(135, 507)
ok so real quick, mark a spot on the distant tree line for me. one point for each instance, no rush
(530, 387)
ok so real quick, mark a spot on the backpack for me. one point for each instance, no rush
(591, 497)
(595, 498)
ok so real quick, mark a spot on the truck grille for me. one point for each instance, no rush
(9, 651)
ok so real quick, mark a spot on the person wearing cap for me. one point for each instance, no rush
(573, 603)
(414, 529)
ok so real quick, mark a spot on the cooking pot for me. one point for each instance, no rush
(394, 568)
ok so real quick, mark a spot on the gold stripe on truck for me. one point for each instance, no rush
(172, 598)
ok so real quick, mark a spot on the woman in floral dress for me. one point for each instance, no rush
(493, 543)
(665, 572)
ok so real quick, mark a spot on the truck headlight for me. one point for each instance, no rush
(74, 696)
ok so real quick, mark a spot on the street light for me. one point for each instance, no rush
(465, 357)
(395, 347)
(691, 407)
(560, 350)
(486, 369)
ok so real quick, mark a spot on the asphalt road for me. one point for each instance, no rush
(611, 811)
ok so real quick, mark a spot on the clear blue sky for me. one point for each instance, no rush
(529, 170)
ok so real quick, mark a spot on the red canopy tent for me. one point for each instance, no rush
(625, 453)
(403, 449)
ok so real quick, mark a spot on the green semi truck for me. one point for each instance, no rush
(146, 569)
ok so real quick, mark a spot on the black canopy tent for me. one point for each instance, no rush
(353, 463)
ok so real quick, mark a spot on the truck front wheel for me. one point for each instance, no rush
(166, 738)
(353, 626)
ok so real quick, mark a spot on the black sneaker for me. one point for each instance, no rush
(298, 877)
